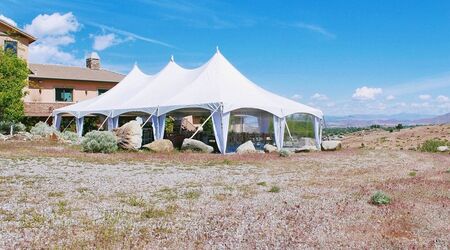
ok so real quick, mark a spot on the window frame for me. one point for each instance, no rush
(15, 50)
(64, 91)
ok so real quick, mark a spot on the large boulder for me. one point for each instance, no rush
(159, 146)
(129, 136)
(331, 145)
(269, 148)
(246, 148)
(195, 145)
(306, 149)
(442, 148)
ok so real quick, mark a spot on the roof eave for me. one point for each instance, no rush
(21, 32)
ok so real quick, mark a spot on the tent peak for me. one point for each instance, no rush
(172, 59)
(217, 49)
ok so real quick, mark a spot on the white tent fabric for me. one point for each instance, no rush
(216, 86)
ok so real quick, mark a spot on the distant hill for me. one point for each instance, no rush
(385, 120)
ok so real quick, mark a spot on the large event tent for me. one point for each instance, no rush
(217, 86)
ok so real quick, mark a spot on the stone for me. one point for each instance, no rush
(22, 136)
(160, 146)
(443, 148)
(306, 149)
(331, 145)
(269, 148)
(129, 136)
(3, 137)
(195, 145)
(246, 147)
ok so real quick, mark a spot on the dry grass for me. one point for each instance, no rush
(53, 196)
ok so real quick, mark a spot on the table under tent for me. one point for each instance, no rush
(217, 90)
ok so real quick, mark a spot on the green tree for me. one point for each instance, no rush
(13, 79)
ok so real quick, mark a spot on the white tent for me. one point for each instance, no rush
(216, 86)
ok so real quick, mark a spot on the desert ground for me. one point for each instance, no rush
(54, 196)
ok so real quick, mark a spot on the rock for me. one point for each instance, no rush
(443, 148)
(159, 146)
(331, 145)
(3, 137)
(246, 147)
(269, 148)
(194, 145)
(306, 149)
(129, 136)
(285, 153)
(22, 136)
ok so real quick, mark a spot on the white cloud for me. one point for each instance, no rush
(315, 28)
(54, 32)
(102, 42)
(296, 97)
(8, 20)
(366, 93)
(390, 97)
(442, 99)
(424, 97)
(52, 25)
(319, 97)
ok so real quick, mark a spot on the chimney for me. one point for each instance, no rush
(93, 61)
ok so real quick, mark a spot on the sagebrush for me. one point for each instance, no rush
(5, 127)
(43, 129)
(70, 137)
(99, 142)
(432, 145)
(380, 198)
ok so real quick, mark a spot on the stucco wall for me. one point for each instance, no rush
(22, 44)
(44, 90)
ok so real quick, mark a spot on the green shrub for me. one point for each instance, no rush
(433, 144)
(274, 189)
(284, 153)
(70, 136)
(412, 173)
(380, 198)
(5, 127)
(43, 129)
(99, 142)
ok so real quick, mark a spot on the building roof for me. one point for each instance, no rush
(18, 31)
(46, 71)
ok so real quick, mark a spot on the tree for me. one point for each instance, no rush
(13, 79)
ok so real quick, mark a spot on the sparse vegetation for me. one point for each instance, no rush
(412, 173)
(262, 183)
(432, 145)
(274, 189)
(192, 195)
(99, 142)
(380, 198)
(55, 194)
(135, 201)
(152, 212)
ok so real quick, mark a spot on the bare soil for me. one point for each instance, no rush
(54, 196)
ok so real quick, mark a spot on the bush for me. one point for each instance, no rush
(70, 136)
(380, 198)
(5, 127)
(99, 142)
(433, 144)
(274, 189)
(43, 129)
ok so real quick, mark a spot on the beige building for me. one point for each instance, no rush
(55, 86)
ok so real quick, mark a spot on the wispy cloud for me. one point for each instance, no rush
(314, 28)
(132, 35)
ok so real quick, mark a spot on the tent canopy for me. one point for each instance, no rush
(216, 86)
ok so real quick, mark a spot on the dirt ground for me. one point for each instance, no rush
(54, 196)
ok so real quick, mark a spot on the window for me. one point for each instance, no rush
(11, 46)
(102, 91)
(64, 95)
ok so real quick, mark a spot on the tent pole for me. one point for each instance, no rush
(68, 125)
(46, 120)
(148, 119)
(103, 123)
(201, 126)
(289, 132)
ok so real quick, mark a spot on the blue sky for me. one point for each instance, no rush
(345, 57)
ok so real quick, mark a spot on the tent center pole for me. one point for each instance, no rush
(201, 126)
(289, 132)
(148, 119)
(103, 123)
